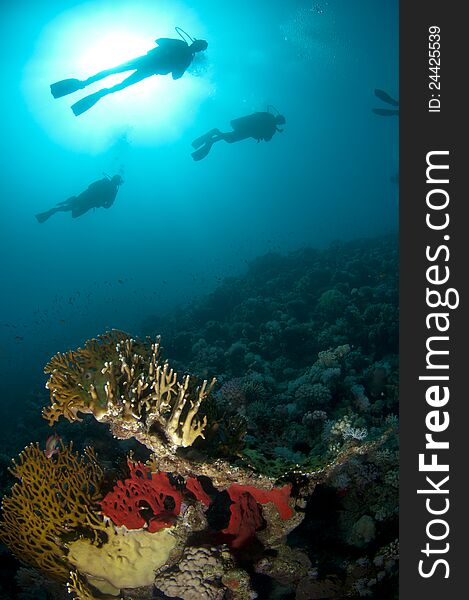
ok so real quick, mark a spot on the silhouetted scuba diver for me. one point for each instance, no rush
(386, 112)
(99, 194)
(170, 56)
(259, 125)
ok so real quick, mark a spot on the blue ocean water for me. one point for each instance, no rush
(178, 227)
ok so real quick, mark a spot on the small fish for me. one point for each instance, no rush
(120, 281)
(52, 445)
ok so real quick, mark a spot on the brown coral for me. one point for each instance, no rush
(54, 497)
(120, 379)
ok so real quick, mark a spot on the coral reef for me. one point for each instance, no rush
(147, 517)
(287, 565)
(316, 331)
(281, 481)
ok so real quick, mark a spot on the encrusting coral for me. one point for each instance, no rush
(127, 560)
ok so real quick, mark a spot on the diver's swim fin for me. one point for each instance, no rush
(65, 87)
(202, 152)
(86, 103)
(382, 95)
(385, 112)
(203, 139)
(41, 217)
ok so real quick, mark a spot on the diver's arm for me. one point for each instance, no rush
(179, 71)
(178, 74)
(109, 202)
(66, 202)
(270, 133)
(111, 197)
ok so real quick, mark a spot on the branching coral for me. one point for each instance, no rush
(54, 497)
(119, 379)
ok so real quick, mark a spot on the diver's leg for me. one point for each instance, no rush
(130, 65)
(68, 86)
(230, 137)
(63, 207)
(66, 204)
(204, 138)
(130, 80)
(88, 101)
(233, 136)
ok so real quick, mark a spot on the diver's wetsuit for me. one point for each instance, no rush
(259, 126)
(170, 56)
(99, 194)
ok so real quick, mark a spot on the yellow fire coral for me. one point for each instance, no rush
(54, 497)
(121, 380)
